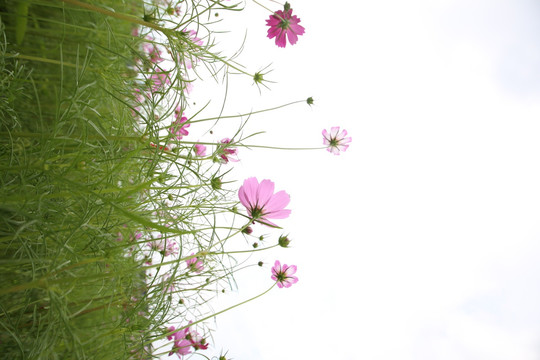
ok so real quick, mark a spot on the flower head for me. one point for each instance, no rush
(178, 127)
(194, 264)
(159, 80)
(284, 241)
(335, 140)
(283, 275)
(227, 154)
(284, 25)
(181, 344)
(261, 202)
(200, 149)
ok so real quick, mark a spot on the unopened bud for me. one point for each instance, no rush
(216, 183)
(284, 241)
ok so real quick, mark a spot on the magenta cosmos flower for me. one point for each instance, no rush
(283, 275)
(227, 154)
(181, 345)
(178, 127)
(335, 140)
(261, 202)
(284, 25)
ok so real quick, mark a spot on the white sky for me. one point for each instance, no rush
(422, 240)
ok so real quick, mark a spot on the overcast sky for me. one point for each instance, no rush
(422, 240)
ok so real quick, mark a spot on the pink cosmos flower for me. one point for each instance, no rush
(153, 52)
(335, 140)
(261, 202)
(200, 149)
(283, 275)
(179, 126)
(185, 338)
(181, 344)
(194, 264)
(159, 80)
(228, 154)
(168, 284)
(196, 340)
(284, 25)
(165, 246)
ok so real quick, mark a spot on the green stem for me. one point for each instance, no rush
(247, 114)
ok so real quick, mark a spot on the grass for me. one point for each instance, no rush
(99, 215)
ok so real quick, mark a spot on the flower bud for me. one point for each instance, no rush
(255, 245)
(258, 78)
(260, 263)
(248, 230)
(284, 241)
(216, 183)
(309, 101)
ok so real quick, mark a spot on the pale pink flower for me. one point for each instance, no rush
(155, 245)
(197, 341)
(164, 246)
(283, 275)
(200, 149)
(335, 140)
(228, 154)
(192, 35)
(159, 80)
(179, 126)
(261, 202)
(171, 248)
(194, 264)
(168, 284)
(284, 25)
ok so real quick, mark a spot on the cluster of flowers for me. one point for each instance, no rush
(262, 203)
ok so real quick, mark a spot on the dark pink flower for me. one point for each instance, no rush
(179, 126)
(335, 140)
(261, 202)
(284, 25)
(283, 275)
(227, 154)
